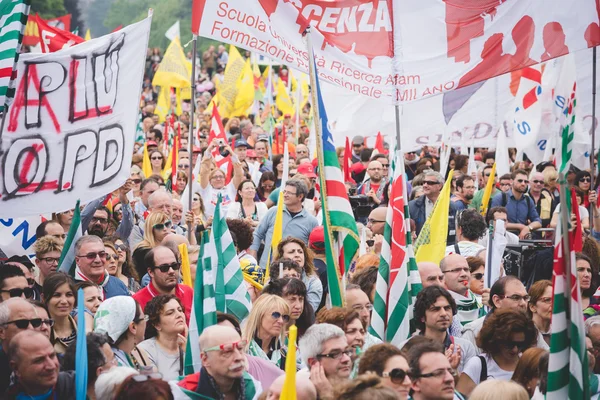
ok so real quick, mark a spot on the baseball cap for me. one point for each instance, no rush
(242, 143)
(262, 137)
(307, 170)
(250, 153)
(358, 140)
(152, 143)
(316, 239)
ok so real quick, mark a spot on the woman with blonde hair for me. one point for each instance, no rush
(527, 373)
(296, 250)
(157, 226)
(264, 331)
(499, 390)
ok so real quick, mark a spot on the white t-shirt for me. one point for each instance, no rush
(583, 212)
(467, 249)
(473, 370)
(210, 196)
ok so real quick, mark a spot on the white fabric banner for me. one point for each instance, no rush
(70, 132)
(403, 50)
(17, 236)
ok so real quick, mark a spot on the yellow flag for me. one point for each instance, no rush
(230, 88)
(245, 95)
(283, 101)
(277, 234)
(431, 243)
(174, 70)
(88, 35)
(487, 193)
(288, 392)
(163, 105)
(186, 273)
(146, 166)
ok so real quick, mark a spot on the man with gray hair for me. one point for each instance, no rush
(325, 351)
(90, 259)
(297, 221)
(592, 330)
(421, 207)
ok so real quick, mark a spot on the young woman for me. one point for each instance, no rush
(157, 162)
(112, 258)
(58, 294)
(157, 226)
(264, 331)
(388, 362)
(245, 206)
(585, 274)
(296, 250)
(165, 335)
(583, 180)
(64, 219)
(125, 271)
(199, 212)
(266, 185)
(505, 334)
(122, 319)
(539, 308)
(93, 297)
(278, 169)
(477, 268)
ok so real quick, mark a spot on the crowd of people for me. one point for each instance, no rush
(469, 340)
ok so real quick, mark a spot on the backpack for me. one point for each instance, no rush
(528, 200)
(483, 375)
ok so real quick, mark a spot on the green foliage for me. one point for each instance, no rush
(48, 8)
(94, 16)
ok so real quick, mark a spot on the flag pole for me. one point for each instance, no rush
(592, 153)
(398, 142)
(3, 121)
(191, 132)
(566, 248)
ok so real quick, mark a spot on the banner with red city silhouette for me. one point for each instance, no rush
(403, 50)
(69, 134)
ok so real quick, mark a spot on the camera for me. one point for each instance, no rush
(222, 149)
(362, 206)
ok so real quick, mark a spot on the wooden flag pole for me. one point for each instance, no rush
(191, 132)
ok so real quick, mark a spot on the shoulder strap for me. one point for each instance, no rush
(504, 199)
(483, 374)
(456, 248)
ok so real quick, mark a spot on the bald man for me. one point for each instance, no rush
(431, 274)
(222, 352)
(373, 187)
(376, 221)
(305, 389)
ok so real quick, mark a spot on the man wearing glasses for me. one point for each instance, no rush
(13, 283)
(325, 351)
(164, 271)
(522, 215)
(223, 373)
(47, 255)
(431, 374)
(90, 258)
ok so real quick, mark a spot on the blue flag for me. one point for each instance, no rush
(81, 361)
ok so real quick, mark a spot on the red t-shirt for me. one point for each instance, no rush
(183, 293)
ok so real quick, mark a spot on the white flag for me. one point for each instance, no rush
(502, 160)
(173, 32)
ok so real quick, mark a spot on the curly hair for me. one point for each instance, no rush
(309, 266)
(338, 316)
(500, 325)
(374, 359)
(293, 287)
(243, 232)
(366, 278)
(425, 299)
(153, 310)
(286, 263)
(45, 245)
(368, 386)
(471, 223)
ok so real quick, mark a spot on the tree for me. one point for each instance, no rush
(48, 8)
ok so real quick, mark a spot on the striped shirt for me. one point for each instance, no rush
(469, 308)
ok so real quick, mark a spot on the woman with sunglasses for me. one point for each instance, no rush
(165, 335)
(125, 271)
(137, 176)
(266, 185)
(156, 227)
(245, 207)
(583, 180)
(477, 268)
(264, 330)
(58, 294)
(505, 334)
(293, 291)
(387, 361)
(122, 319)
(157, 162)
(202, 222)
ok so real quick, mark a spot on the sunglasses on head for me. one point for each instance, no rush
(18, 292)
(277, 315)
(396, 375)
(164, 225)
(166, 267)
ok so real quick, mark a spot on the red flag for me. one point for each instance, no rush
(577, 234)
(197, 9)
(108, 202)
(118, 28)
(218, 132)
(347, 162)
(379, 144)
(53, 39)
(31, 37)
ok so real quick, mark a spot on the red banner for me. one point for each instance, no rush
(32, 36)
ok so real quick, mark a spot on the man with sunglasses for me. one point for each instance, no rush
(486, 173)
(223, 374)
(164, 271)
(16, 315)
(90, 259)
(522, 215)
(25, 264)
(13, 283)
(543, 200)
(431, 374)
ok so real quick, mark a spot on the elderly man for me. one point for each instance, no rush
(164, 270)
(544, 202)
(36, 367)
(223, 374)
(359, 301)
(16, 315)
(90, 258)
(305, 390)
(325, 351)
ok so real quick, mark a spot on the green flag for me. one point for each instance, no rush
(67, 257)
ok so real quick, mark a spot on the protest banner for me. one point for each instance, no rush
(70, 132)
(403, 50)
(32, 35)
(17, 236)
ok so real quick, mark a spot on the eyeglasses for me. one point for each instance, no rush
(385, 165)
(112, 257)
(276, 315)
(156, 158)
(50, 260)
(121, 247)
(374, 221)
(511, 344)
(290, 193)
(164, 225)
(92, 256)
(182, 166)
(336, 354)
(396, 375)
(478, 276)
(219, 177)
(430, 183)
(360, 307)
(141, 318)
(522, 180)
(18, 292)
(136, 181)
(438, 373)
(516, 297)
(144, 378)
(100, 220)
(24, 323)
(585, 179)
(228, 347)
(537, 181)
(457, 270)
(166, 267)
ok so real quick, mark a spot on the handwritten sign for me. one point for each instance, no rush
(70, 132)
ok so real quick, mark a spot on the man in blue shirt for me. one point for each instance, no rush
(521, 212)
